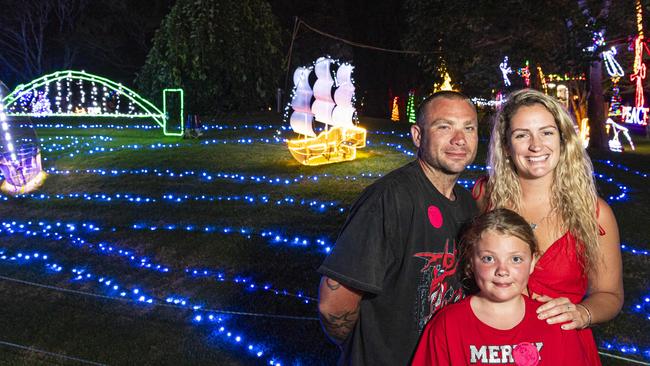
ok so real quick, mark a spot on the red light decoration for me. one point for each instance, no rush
(639, 66)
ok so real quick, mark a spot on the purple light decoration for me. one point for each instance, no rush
(20, 165)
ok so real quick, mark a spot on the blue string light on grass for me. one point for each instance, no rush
(643, 307)
(622, 167)
(315, 205)
(234, 177)
(626, 349)
(273, 237)
(628, 249)
(621, 196)
(137, 294)
(113, 126)
(46, 230)
(23, 258)
(158, 146)
(247, 282)
(84, 126)
(141, 261)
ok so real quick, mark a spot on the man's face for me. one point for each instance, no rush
(448, 137)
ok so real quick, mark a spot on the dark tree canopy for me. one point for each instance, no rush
(106, 38)
(474, 36)
(226, 55)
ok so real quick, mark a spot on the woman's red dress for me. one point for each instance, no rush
(558, 273)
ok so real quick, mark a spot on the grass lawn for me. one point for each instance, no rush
(128, 216)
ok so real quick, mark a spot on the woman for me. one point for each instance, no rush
(541, 171)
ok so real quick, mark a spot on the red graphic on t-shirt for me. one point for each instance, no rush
(438, 267)
(435, 216)
(525, 354)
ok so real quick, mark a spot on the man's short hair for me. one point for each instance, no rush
(449, 94)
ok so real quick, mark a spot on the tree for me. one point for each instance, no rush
(114, 38)
(224, 54)
(473, 37)
(33, 37)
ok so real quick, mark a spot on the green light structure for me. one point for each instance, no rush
(162, 118)
(410, 107)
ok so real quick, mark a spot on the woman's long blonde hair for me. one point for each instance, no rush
(573, 192)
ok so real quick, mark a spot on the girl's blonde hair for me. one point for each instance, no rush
(573, 192)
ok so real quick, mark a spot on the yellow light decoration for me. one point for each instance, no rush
(446, 81)
(333, 146)
(394, 116)
(542, 79)
(35, 183)
(584, 132)
(341, 138)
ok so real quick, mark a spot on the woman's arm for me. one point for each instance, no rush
(605, 294)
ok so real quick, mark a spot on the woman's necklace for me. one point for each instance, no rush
(534, 225)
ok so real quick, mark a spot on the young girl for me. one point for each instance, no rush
(497, 325)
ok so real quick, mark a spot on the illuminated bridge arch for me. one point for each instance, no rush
(80, 94)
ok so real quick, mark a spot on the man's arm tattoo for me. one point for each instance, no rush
(338, 327)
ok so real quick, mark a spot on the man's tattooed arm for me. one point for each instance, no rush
(339, 309)
(338, 327)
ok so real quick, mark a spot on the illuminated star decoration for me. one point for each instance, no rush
(505, 70)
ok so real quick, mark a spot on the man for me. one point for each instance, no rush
(395, 259)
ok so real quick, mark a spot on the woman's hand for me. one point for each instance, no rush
(561, 310)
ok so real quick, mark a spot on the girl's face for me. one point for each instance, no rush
(501, 265)
(534, 142)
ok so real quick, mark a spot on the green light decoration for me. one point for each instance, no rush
(410, 106)
(181, 98)
(162, 118)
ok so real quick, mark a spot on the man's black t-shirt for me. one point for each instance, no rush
(398, 246)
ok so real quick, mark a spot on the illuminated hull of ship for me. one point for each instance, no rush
(332, 146)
